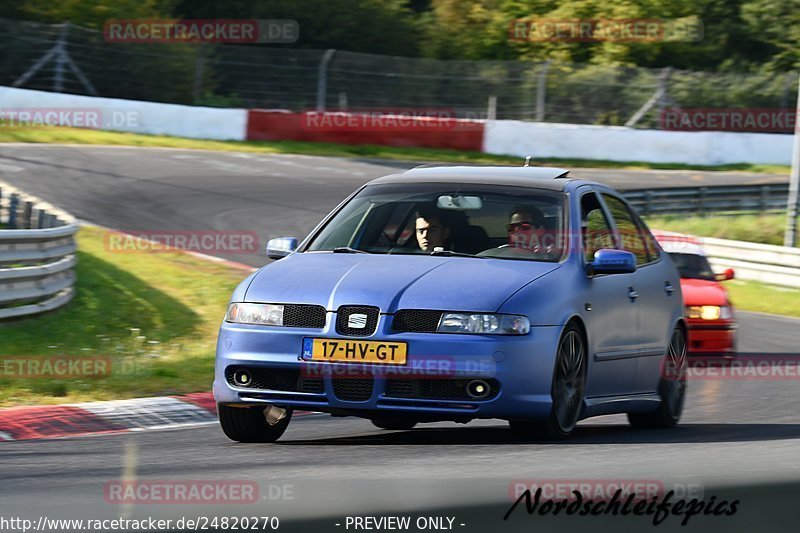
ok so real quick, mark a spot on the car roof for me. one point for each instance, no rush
(672, 242)
(538, 177)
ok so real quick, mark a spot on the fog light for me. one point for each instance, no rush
(478, 389)
(242, 378)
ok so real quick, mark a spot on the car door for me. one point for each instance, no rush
(655, 286)
(610, 313)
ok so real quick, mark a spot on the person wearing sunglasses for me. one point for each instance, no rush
(525, 227)
(526, 235)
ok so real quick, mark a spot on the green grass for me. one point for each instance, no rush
(765, 229)
(84, 136)
(759, 297)
(155, 316)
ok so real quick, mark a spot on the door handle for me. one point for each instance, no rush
(668, 288)
(632, 294)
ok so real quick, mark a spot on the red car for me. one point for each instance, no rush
(708, 309)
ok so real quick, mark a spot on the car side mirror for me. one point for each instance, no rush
(280, 247)
(725, 276)
(610, 261)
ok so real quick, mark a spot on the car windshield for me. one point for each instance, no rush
(446, 219)
(693, 266)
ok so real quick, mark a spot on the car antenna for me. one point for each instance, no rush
(527, 162)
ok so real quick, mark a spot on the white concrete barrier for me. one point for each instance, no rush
(618, 143)
(776, 265)
(510, 137)
(123, 115)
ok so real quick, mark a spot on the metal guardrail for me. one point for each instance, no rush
(703, 200)
(37, 255)
(776, 265)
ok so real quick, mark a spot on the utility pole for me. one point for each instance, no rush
(790, 238)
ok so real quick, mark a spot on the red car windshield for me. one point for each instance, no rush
(693, 266)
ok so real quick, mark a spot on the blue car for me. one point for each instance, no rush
(458, 293)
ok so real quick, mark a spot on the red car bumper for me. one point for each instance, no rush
(710, 338)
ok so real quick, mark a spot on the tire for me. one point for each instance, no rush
(671, 387)
(247, 424)
(569, 384)
(400, 424)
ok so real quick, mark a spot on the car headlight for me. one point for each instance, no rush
(485, 324)
(709, 312)
(263, 314)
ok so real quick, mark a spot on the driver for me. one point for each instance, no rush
(431, 228)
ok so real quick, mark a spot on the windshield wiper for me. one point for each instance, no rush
(450, 253)
(347, 250)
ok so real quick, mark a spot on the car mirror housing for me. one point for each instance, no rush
(280, 247)
(725, 276)
(610, 261)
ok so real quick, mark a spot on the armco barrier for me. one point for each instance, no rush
(776, 265)
(37, 255)
(716, 199)
(365, 128)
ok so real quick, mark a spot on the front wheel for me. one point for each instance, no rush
(569, 383)
(248, 424)
(671, 387)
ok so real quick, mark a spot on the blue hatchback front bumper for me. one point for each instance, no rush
(430, 385)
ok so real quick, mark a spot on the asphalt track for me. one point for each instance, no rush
(738, 439)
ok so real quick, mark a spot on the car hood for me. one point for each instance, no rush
(703, 292)
(393, 282)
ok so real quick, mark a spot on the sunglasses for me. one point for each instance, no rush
(523, 226)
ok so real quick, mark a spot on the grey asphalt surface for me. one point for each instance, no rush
(738, 438)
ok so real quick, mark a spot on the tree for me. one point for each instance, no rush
(92, 13)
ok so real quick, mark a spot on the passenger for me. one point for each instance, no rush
(526, 228)
(526, 235)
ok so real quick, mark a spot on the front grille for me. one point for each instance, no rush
(416, 320)
(434, 389)
(345, 326)
(280, 379)
(353, 389)
(304, 316)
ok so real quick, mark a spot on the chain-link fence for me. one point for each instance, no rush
(66, 58)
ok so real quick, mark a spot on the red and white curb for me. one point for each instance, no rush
(56, 421)
(115, 416)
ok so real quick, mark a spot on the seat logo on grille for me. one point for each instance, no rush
(357, 321)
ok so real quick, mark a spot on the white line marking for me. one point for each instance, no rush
(129, 461)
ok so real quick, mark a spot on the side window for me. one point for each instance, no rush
(653, 249)
(629, 231)
(596, 229)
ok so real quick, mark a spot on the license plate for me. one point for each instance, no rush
(347, 351)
